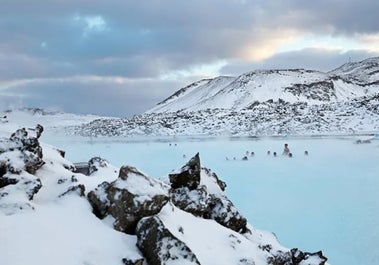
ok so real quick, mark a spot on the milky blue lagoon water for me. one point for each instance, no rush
(328, 200)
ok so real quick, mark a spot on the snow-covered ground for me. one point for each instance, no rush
(16, 119)
(326, 200)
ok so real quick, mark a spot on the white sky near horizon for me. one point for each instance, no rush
(121, 58)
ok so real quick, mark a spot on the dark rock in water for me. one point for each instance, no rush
(159, 246)
(297, 257)
(122, 199)
(95, 163)
(189, 175)
(359, 141)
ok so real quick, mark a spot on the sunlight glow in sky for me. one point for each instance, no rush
(212, 69)
(341, 44)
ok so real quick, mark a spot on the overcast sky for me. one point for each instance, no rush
(120, 58)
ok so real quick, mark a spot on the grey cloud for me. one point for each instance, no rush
(140, 39)
(346, 17)
(96, 97)
(159, 35)
(179, 34)
(312, 59)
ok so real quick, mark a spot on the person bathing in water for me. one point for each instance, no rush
(286, 150)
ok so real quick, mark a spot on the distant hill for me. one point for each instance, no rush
(258, 103)
(351, 80)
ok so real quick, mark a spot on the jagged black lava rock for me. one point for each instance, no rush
(188, 176)
(95, 163)
(159, 246)
(199, 201)
(123, 201)
(297, 257)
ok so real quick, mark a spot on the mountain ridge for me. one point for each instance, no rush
(346, 82)
(344, 101)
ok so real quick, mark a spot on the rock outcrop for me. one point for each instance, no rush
(25, 147)
(128, 199)
(297, 257)
(188, 176)
(95, 163)
(188, 220)
(145, 207)
(20, 158)
(199, 191)
(28, 146)
(159, 246)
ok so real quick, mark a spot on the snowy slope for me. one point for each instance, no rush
(295, 85)
(197, 92)
(365, 72)
(356, 116)
(52, 121)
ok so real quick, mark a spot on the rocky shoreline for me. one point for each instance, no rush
(167, 219)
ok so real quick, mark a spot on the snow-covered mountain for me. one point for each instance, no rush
(52, 214)
(292, 85)
(261, 103)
